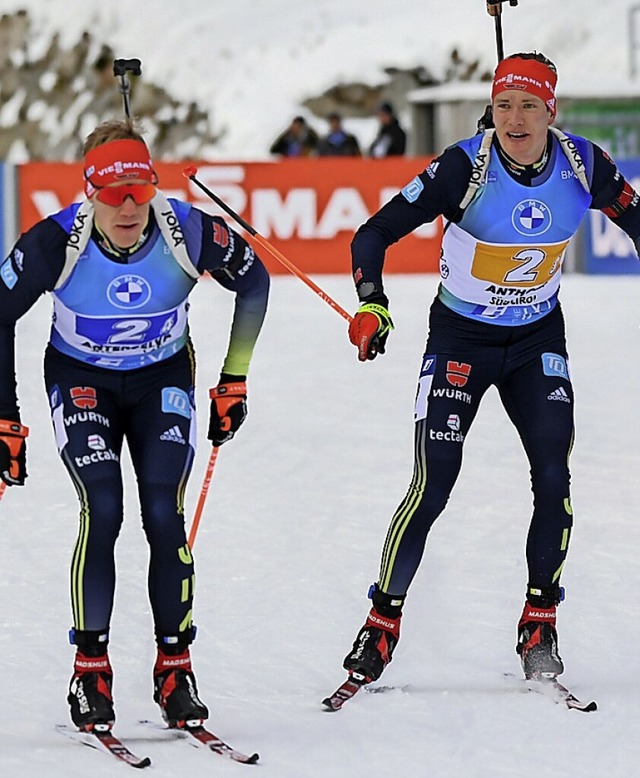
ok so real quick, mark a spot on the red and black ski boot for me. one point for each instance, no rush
(175, 688)
(538, 639)
(375, 643)
(90, 697)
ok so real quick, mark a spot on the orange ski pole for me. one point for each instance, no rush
(190, 173)
(203, 496)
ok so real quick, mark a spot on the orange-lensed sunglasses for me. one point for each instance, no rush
(116, 195)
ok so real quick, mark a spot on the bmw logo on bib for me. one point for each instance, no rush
(531, 217)
(129, 291)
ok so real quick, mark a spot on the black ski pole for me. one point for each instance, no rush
(494, 8)
(120, 69)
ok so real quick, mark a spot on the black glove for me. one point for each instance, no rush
(13, 452)
(228, 408)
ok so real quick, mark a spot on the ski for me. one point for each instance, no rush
(344, 692)
(104, 740)
(206, 739)
(218, 746)
(553, 688)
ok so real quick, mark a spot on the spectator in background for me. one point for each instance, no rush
(338, 142)
(391, 140)
(298, 140)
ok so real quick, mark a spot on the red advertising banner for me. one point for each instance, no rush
(308, 209)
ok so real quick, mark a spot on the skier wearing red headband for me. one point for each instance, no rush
(120, 364)
(512, 198)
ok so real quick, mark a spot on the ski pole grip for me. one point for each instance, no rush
(121, 66)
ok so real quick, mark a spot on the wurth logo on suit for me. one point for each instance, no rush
(458, 373)
(84, 397)
(453, 394)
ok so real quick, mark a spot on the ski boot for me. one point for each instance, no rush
(174, 683)
(375, 643)
(537, 636)
(89, 695)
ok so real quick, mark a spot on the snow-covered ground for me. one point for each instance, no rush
(290, 540)
(251, 63)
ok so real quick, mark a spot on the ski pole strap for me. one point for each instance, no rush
(13, 434)
(382, 315)
(238, 389)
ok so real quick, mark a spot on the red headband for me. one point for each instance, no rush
(119, 161)
(527, 75)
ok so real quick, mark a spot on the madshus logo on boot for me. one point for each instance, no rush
(130, 291)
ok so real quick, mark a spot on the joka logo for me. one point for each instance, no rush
(458, 373)
(84, 397)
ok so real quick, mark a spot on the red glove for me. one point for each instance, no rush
(228, 409)
(369, 330)
(13, 452)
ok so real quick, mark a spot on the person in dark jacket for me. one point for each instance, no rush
(338, 142)
(391, 140)
(298, 140)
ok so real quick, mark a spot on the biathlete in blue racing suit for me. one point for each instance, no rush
(120, 364)
(513, 197)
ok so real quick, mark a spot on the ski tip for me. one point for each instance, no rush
(344, 692)
(585, 707)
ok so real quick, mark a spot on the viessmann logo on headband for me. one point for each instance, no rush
(115, 162)
(516, 81)
(120, 169)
